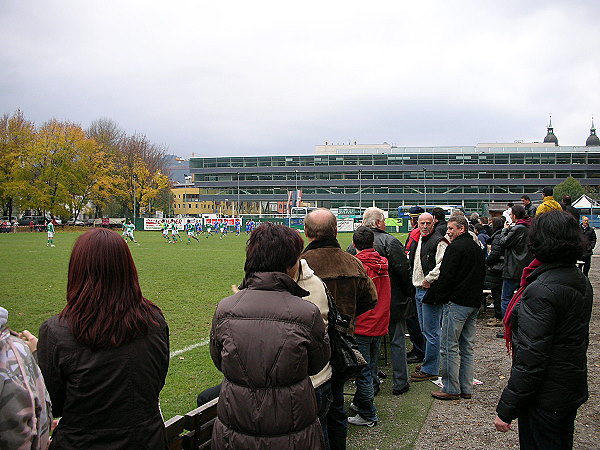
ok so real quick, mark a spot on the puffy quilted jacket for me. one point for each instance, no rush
(550, 327)
(267, 341)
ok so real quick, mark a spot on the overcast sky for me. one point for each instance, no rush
(268, 77)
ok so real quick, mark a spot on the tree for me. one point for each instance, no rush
(571, 187)
(17, 135)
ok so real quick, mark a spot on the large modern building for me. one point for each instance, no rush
(390, 176)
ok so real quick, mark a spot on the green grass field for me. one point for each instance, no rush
(187, 282)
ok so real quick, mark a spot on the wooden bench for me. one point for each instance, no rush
(194, 430)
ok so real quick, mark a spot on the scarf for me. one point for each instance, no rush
(526, 221)
(516, 299)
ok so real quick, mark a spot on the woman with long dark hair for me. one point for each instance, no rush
(547, 330)
(105, 356)
(267, 340)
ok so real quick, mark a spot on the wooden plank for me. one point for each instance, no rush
(201, 415)
(174, 427)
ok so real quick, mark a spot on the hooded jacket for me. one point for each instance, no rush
(267, 340)
(548, 204)
(375, 322)
(391, 248)
(550, 337)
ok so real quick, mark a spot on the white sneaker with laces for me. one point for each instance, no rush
(359, 421)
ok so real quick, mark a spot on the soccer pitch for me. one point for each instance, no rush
(185, 281)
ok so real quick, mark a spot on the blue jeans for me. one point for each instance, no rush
(324, 398)
(458, 340)
(509, 286)
(337, 420)
(363, 398)
(397, 331)
(430, 318)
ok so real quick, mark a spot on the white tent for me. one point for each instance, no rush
(585, 202)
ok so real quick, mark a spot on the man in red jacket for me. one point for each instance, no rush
(370, 326)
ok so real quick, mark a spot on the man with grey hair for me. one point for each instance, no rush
(459, 288)
(391, 248)
(426, 259)
(353, 291)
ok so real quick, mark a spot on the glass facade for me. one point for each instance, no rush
(471, 176)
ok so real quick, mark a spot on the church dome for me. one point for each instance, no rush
(550, 137)
(592, 140)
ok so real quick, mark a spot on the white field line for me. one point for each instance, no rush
(202, 343)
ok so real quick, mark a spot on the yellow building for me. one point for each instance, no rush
(185, 203)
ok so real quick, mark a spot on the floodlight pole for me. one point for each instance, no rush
(425, 187)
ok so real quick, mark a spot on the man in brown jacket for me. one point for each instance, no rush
(353, 291)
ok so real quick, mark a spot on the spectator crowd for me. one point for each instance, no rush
(101, 363)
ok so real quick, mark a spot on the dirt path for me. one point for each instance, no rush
(468, 424)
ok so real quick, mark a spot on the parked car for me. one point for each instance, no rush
(37, 220)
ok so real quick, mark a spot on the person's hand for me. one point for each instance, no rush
(30, 340)
(426, 284)
(235, 289)
(501, 425)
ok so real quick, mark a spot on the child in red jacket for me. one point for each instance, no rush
(370, 327)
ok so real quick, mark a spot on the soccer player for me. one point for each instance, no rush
(238, 226)
(164, 227)
(222, 228)
(199, 227)
(190, 228)
(50, 228)
(129, 229)
(174, 233)
(208, 229)
(125, 229)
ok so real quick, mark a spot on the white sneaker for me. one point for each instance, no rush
(359, 421)
(52, 245)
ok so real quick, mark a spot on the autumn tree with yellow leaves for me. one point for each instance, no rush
(61, 169)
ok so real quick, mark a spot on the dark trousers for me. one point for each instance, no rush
(587, 262)
(323, 396)
(337, 420)
(540, 429)
(414, 330)
(497, 296)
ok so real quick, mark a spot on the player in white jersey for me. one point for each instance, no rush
(129, 229)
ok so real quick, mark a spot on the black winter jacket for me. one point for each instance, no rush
(589, 237)
(494, 262)
(516, 254)
(550, 336)
(462, 273)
